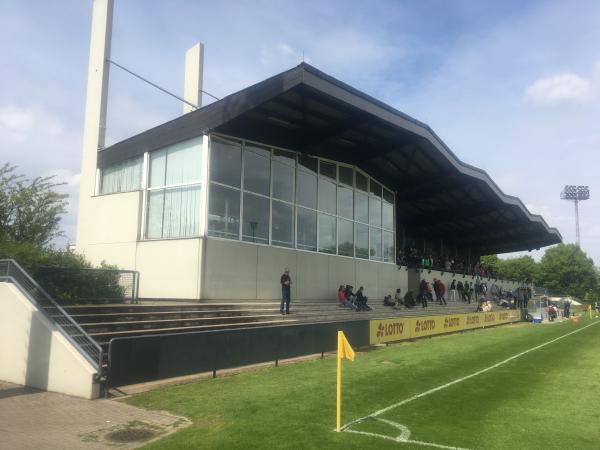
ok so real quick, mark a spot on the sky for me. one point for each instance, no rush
(511, 87)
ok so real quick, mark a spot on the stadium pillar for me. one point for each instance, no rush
(94, 129)
(194, 68)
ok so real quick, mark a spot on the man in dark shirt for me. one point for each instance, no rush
(286, 283)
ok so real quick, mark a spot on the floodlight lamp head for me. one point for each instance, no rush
(576, 193)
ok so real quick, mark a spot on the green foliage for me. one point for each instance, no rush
(568, 270)
(491, 262)
(523, 268)
(68, 277)
(30, 213)
(30, 210)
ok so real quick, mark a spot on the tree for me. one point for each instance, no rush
(491, 262)
(523, 268)
(30, 210)
(566, 269)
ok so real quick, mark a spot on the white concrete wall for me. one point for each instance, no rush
(237, 270)
(33, 352)
(169, 268)
(109, 232)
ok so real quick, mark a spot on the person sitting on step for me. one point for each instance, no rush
(409, 300)
(387, 301)
(398, 297)
(343, 301)
(361, 300)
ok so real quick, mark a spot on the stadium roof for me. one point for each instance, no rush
(303, 109)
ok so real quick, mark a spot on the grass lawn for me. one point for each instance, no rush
(546, 399)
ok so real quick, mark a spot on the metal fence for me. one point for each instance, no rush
(10, 271)
(79, 286)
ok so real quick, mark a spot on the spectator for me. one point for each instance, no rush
(423, 293)
(567, 308)
(552, 312)
(387, 301)
(453, 291)
(361, 300)
(461, 291)
(286, 283)
(343, 300)
(468, 291)
(398, 297)
(440, 290)
(409, 300)
(448, 264)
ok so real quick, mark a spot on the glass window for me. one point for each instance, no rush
(255, 227)
(345, 237)
(156, 202)
(388, 196)
(180, 163)
(282, 224)
(327, 196)
(362, 182)
(346, 175)
(362, 241)
(283, 181)
(375, 188)
(388, 247)
(327, 233)
(122, 177)
(375, 211)
(306, 192)
(173, 212)
(345, 204)
(158, 166)
(224, 212)
(308, 163)
(256, 170)
(388, 216)
(376, 244)
(307, 229)
(327, 169)
(225, 162)
(361, 207)
(284, 157)
(184, 162)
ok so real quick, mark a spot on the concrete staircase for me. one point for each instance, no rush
(151, 317)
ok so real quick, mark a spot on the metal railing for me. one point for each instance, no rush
(11, 271)
(73, 285)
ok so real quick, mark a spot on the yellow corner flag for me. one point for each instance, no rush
(344, 350)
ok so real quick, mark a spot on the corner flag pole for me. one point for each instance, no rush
(344, 350)
(339, 383)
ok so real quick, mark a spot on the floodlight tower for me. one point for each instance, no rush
(576, 194)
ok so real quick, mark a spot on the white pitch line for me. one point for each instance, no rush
(460, 380)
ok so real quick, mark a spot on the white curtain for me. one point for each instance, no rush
(122, 177)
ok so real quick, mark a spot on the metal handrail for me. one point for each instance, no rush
(11, 271)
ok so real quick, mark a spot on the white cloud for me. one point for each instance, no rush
(567, 87)
(17, 124)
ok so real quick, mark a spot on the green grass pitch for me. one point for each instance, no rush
(548, 398)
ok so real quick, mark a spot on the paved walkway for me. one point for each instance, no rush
(33, 419)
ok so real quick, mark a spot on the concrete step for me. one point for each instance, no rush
(144, 325)
(104, 337)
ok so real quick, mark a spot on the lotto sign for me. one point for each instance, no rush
(427, 326)
(474, 320)
(389, 330)
(454, 322)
